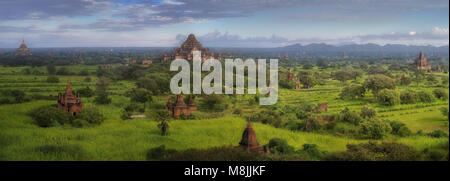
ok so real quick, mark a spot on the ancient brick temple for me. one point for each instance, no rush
(294, 79)
(185, 51)
(249, 142)
(179, 107)
(23, 50)
(70, 102)
(421, 62)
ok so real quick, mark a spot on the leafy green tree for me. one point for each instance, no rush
(102, 84)
(425, 96)
(147, 83)
(348, 116)
(432, 79)
(399, 128)
(375, 128)
(441, 94)
(444, 111)
(52, 79)
(405, 80)
(164, 126)
(419, 76)
(343, 75)
(49, 116)
(368, 112)
(140, 95)
(352, 92)
(280, 146)
(378, 82)
(102, 98)
(51, 69)
(388, 97)
(311, 123)
(408, 97)
(86, 92)
(91, 115)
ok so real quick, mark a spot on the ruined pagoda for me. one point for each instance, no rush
(179, 107)
(70, 102)
(23, 50)
(421, 63)
(249, 142)
(185, 51)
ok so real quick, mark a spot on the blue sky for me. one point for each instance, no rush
(220, 23)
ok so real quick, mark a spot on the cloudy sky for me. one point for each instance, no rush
(222, 23)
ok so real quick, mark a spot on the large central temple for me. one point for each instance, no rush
(23, 50)
(185, 51)
(421, 62)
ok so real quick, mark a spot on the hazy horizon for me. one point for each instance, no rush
(166, 23)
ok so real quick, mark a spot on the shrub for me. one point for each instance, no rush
(280, 146)
(79, 123)
(65, 151)
(375, 152)
(48, 116)
(102, 98)
(408, 97)
(52, 79)
(268, 117)
(313, 151)
(368, 112)
(438, 134)
(237, 111)
(287, 84)
(348, 116)
(84, 73)
(425, 96)
(388, 97)
(86, 92)
(311, 123)
(213, 103)
(159, 153)
(444, 111)
(375, 129)
(441, 94)
(379, 82)
(352, 92)
(399, 129)
(91, 115)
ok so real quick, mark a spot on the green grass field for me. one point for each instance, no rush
(117, 139)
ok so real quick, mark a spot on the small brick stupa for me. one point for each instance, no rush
(249, 142)
(70, 102)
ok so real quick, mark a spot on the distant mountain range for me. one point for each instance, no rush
(370, 47)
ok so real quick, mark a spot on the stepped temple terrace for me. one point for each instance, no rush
(185, 51)
(23, 50)
(70, 102)
(249, 142)
(179, 107)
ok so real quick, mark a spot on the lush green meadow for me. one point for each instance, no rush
(117, 139)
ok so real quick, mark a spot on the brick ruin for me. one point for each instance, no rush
(179, 107)
(70, 102)
(292, 78)
(421, 63)
(249, 143)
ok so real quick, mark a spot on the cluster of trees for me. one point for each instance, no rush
(49, 116)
